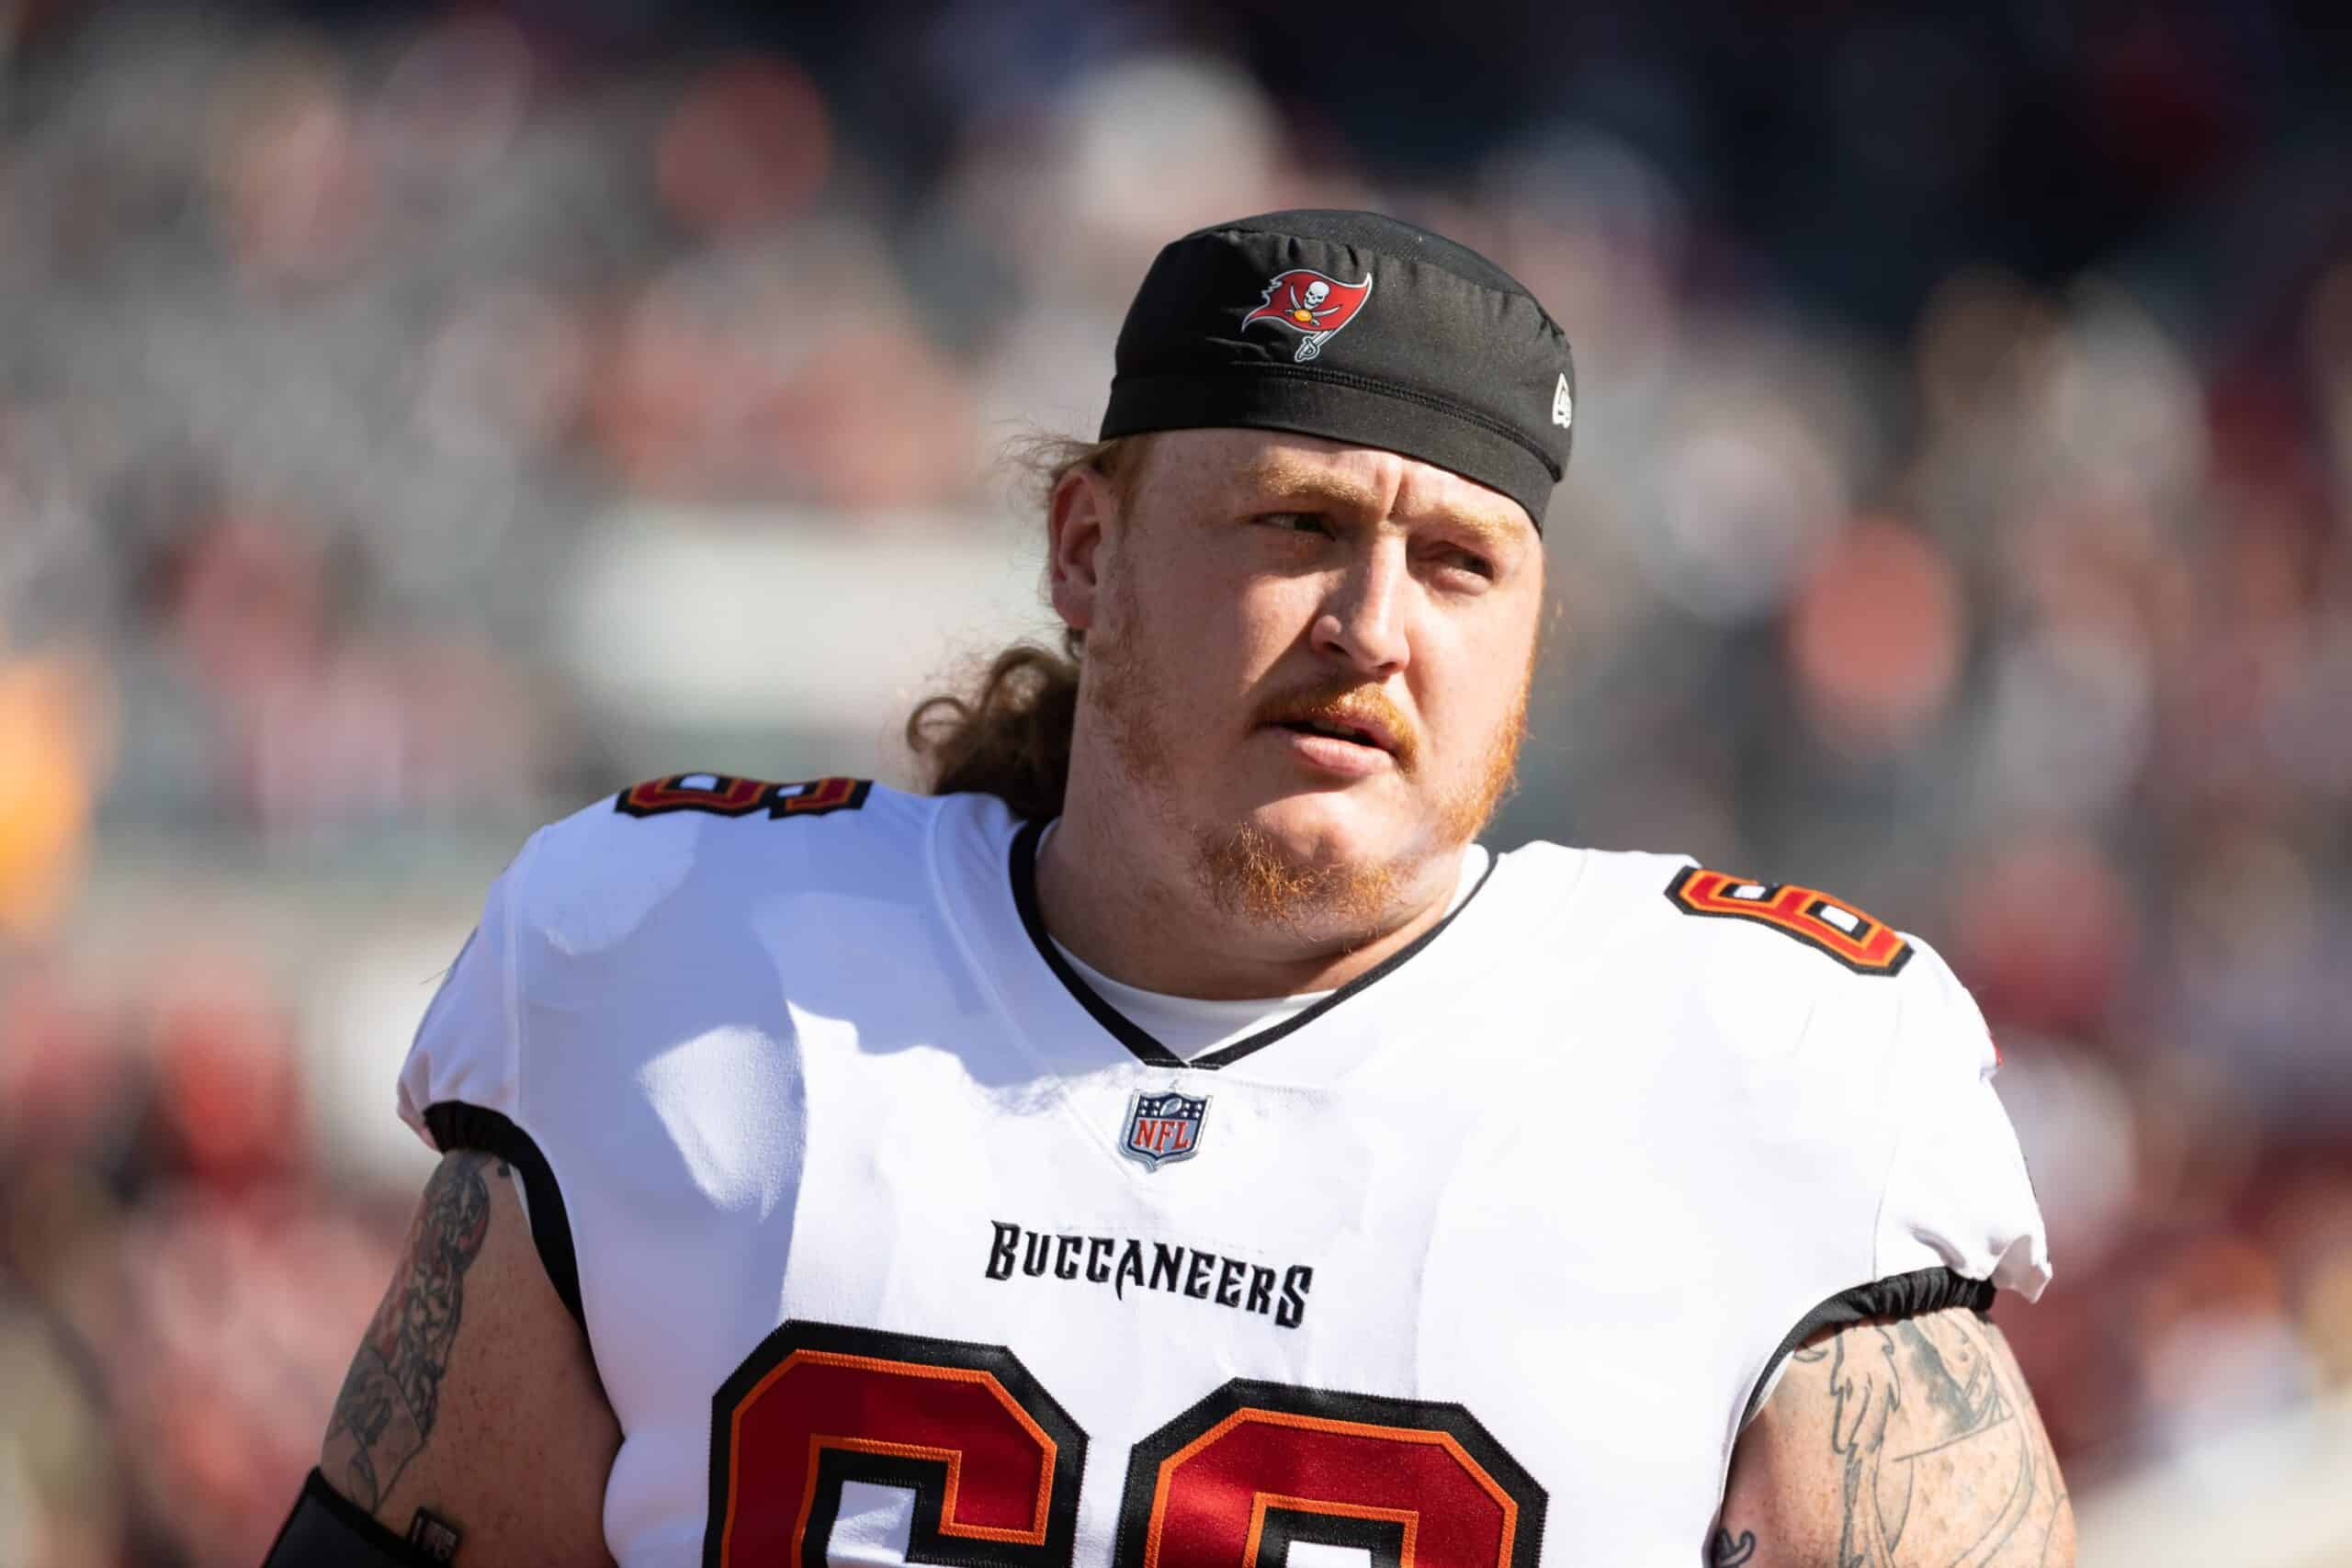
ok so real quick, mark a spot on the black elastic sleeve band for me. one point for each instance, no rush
(457, 1125)
(1914, 1294)
(327, 1529)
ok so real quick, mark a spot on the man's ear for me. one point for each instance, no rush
(1084, 505)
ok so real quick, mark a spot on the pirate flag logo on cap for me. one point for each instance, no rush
(1313, 306)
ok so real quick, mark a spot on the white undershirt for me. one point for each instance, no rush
(1194, 1026)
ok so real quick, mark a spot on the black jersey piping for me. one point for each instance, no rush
(1897, 1296)
(1139, 1041)
(457, 1125)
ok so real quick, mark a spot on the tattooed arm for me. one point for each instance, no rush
(1897, 1444)
(471, 1420)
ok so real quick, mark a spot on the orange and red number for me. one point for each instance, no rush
(1238, 1479)
(1861, 943)
(723, 794)
(994, 1463)
(992, 1459)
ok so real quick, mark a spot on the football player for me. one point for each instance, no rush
(1174, 1142)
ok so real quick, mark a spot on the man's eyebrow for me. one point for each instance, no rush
(1276, 476)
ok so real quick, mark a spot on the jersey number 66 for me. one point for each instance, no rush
(993, 1462)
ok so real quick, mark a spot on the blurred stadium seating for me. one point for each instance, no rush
(415, 423)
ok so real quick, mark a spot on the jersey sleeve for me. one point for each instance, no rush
(461, 1085)
(1957, 1195)
(1956, 1217)
(467, 1050)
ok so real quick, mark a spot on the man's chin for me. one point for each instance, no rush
(1307, 860)
(1327, 827)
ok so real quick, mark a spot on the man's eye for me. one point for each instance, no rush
(1468, 560)
(1297, 522)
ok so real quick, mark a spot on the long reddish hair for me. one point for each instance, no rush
(1008, 733)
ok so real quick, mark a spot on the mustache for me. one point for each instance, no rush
(1348, 703)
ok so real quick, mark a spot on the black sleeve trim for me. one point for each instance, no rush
(327, 1529)
(457, 1125)
(1914, 1294)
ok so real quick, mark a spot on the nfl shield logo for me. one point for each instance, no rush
(1163, 1127)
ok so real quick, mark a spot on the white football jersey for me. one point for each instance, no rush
(894, 1242)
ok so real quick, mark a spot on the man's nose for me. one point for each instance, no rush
(1363, 619)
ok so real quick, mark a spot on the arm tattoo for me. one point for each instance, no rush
(1902, 1394)
(384, 1416)
(1729, 1553)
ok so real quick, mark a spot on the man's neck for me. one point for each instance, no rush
(1131, 907)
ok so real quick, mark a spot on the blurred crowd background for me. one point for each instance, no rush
(417, 421)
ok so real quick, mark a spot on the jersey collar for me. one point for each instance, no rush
(1140, 1043)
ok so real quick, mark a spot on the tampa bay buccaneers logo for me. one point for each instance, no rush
(1313, 306)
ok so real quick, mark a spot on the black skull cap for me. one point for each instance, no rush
(1354, 327)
